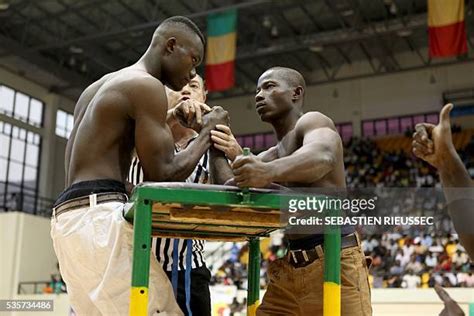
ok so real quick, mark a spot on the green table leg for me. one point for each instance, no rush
(332, 271)
(253, 292)
(141, 258)
(245, 191)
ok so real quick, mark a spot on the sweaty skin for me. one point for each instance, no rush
(128, 109)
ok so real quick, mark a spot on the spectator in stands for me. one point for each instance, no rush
(396, 269)
(459, 259)
(469, 280)
(414, 265)
(410, 280)
(431, 260)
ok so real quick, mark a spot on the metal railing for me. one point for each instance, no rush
(14, 197)
(33, 287)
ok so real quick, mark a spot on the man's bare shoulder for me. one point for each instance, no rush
(134, 82)
(140, 89)
(313, 120)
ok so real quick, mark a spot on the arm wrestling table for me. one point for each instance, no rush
(213, 212)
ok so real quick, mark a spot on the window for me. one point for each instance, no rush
(432, 118)
(393, 126)
(380, 127)
(406, 124)
(270, 140)
(345, 130)
(259, 141)
(418, 119)
(64, 123)
(368, 128)
(396, 125)
(7, 98)
(21, 106)
(19, 164)
(248, 141)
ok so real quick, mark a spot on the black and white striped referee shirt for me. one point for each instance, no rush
(163, 247)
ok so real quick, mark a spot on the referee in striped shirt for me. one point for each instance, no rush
(199, 302)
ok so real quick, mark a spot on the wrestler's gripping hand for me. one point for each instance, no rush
(217, 116)
(451, 307)
(433, 143)
(225, 141)
(250, 171)
(189, 113)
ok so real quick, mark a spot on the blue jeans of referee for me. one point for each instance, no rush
(200, 295)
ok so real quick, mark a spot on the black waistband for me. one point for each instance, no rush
(85, 188)
(314, 240)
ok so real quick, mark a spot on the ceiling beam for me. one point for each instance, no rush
(469, 59)
(45, 63)
(96, 54)
(334, 37)
(140, 27)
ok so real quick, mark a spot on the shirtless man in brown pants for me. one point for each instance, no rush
(309, 153)
(122, 111)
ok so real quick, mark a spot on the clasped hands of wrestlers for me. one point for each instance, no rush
(249, 171)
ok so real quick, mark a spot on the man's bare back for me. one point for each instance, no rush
(102, 139)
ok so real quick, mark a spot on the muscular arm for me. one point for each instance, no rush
(312, 161)
(316, 157)
(186, 160)
(453, 173)
(220, 169)
(434, 144)
(153, 139)
(268, 155)
(459, 192)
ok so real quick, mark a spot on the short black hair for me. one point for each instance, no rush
(187, 23)
(293, 77)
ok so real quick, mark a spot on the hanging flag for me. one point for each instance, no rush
(447, 30)
(221, 47)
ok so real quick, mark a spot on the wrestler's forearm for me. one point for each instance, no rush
(186, 160)
(453, 173)
(220, 170)
(171, 119)
(303, 166)
(458, 189)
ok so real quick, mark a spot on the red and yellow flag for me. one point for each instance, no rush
(447, 30)
(221, 47)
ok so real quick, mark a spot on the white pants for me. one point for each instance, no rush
(94, 249)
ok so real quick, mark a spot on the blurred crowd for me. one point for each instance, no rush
(422, 261)
(368, 166)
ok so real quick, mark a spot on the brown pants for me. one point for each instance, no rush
(299, 291)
